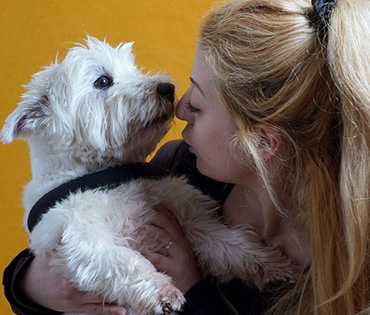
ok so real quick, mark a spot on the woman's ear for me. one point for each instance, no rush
(269, 141)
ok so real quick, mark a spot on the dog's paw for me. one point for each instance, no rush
(161, 297)
(170, 299)
(264, 274)
(283, 271)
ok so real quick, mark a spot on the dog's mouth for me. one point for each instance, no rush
(164, 117)
(160, 119)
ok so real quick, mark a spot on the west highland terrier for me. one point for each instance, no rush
(95, 110)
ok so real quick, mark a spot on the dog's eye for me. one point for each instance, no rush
(103, 82)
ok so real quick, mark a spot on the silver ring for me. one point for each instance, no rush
(168, 246)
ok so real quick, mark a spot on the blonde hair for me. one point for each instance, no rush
(272, 66)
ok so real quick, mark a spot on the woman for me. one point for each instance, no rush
(279, 107)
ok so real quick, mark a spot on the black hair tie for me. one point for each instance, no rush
(322, 10)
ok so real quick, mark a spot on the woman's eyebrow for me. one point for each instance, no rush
(197, 86)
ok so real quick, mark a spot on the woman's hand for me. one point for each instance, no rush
(175, 258)
(45, 287)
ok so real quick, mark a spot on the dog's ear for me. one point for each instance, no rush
(24, 119)
(31, 111)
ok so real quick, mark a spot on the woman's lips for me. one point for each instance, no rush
(190, 147)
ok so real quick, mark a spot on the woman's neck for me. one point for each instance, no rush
(251, 204)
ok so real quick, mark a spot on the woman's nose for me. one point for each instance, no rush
(182, 112)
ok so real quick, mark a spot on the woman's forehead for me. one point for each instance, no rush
(201, 75)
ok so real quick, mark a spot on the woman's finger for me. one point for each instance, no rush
(100, 308)
(167, 213)
(167, 222)
(179, 263)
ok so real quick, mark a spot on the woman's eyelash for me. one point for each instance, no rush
(191, 108)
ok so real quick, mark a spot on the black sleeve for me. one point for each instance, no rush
(234, 297)
(19, 304)
(202, 299)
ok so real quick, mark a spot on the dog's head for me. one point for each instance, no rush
(95, 106)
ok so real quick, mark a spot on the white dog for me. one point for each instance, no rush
(96, 110)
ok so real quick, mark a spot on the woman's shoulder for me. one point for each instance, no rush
(176, 157)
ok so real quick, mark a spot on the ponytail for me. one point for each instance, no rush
(348, 50)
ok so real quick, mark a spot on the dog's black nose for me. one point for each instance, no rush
(167, 90)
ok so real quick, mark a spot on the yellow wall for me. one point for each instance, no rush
(32, 32)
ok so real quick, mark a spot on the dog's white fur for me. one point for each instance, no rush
(95, 237)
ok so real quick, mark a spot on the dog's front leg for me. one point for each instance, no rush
(119, 274)
(225, 251)
(91, 248)
(238, 252)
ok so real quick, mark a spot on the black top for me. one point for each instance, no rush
(206, 297)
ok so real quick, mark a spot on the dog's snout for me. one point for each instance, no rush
(167, 90)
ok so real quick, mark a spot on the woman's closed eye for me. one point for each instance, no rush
(191, 108)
